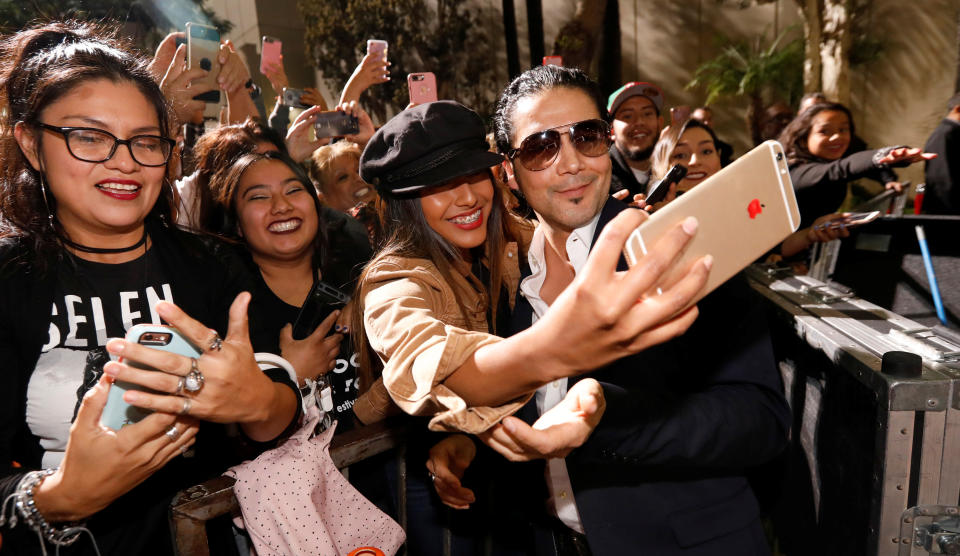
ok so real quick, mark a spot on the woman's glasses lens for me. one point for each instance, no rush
(97, 146)
(538, 151)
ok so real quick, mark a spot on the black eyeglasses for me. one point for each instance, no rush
(538, 151)
(90, 144)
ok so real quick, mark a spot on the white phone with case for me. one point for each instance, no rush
(744, 210)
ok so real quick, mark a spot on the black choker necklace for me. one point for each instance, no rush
(102, 251)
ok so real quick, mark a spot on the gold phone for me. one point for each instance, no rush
(744, 210)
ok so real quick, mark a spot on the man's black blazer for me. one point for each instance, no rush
(664, 473)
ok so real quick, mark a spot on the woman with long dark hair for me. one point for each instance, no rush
(87, 250)
(265, 202)
(817, 144)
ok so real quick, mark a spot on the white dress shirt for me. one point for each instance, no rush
(561, 502)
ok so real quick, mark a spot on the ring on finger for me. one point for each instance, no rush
(186, 406)
(193, 382)
(216, 344)
(181, 382)
(172, 433)
(433, 477)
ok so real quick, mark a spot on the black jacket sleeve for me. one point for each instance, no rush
(942, 174)
(720, 406)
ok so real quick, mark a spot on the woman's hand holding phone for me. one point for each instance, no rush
(363, 136)
(234, 389)
(299, 142)
(316, 354)
(233, 71)
(101, 464)
(179, 86)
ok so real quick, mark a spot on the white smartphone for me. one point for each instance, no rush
(378, 48)
(118, 413)
(744, 210)
(854, 219)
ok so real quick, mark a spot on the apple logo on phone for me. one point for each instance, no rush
(754, 208)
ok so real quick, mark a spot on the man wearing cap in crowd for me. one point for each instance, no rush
(637, 121)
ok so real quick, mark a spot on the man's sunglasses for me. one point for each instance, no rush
(538, 151)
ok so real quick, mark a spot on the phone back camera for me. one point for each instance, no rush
(779, 156)
(205, 64)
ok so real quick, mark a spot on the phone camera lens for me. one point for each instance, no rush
(205, 64)
(779, 156)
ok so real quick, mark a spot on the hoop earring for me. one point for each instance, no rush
(46, 202)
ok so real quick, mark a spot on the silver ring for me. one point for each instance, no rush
(193, 382)
(172, 433)
(180, 384)
(186, 406)
(216, 344)
(432, 476)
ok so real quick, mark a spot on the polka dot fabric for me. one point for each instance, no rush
(295, 502)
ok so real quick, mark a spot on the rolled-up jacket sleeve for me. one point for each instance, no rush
(403, 311)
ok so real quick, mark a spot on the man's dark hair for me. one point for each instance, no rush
(953, 102)
(533, 82)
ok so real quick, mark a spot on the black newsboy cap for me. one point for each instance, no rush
(425, 146)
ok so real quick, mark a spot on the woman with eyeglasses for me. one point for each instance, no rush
(87, 250)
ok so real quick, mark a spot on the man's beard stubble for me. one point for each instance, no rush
(638, 155)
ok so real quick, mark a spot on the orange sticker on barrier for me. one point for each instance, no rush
(367, 551)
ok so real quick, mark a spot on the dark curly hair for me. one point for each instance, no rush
(38, 66)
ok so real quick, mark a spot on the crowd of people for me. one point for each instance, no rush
(558, 405)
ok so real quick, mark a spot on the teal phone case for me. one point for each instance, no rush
(119, 413)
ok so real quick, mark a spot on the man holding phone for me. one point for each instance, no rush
(684, 419)
(637, 122)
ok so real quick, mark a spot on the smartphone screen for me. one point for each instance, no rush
(270, 52)
(203, 47)
(335, 124)
(553, 60)
(323, 300)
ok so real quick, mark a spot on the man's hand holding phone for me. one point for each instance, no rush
(606, 314)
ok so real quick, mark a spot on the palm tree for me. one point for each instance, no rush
(759, 72)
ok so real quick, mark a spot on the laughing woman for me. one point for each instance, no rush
(86, 252)
(267, 203)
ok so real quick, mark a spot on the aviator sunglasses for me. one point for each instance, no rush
(538, 151)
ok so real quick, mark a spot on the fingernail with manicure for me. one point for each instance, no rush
(708, 262)
(690, 225)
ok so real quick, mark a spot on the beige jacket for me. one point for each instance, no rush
(415, 326)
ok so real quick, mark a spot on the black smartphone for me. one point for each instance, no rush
(323, 300)
(662, 187)
(335, 124)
